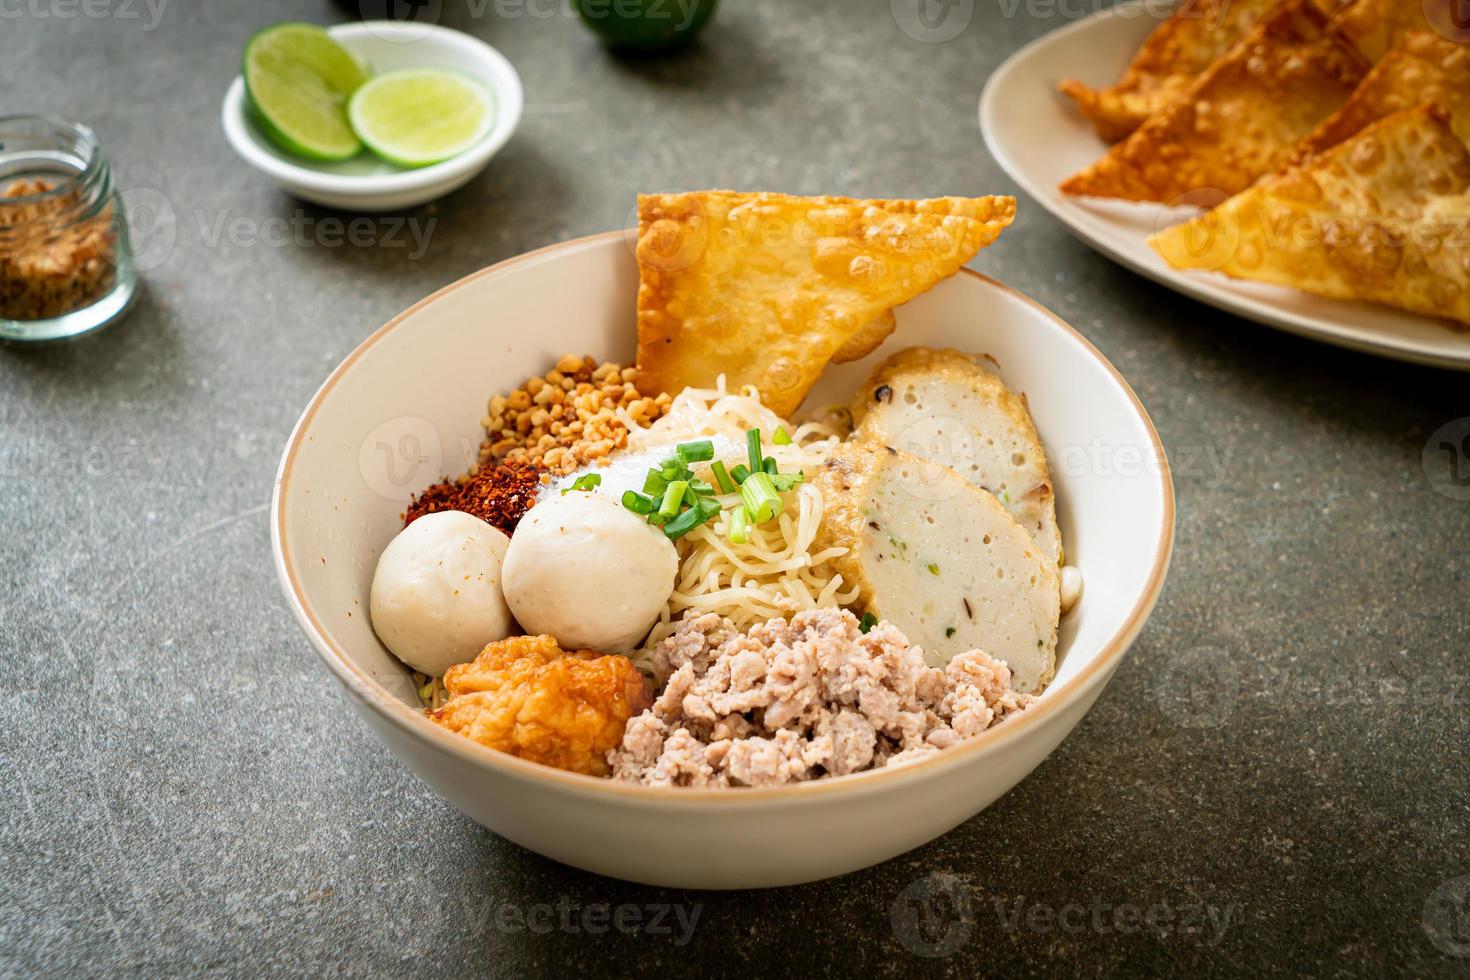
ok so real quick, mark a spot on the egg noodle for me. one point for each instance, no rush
(775, 572)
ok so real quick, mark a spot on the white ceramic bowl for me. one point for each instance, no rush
(405, 407)
(366, 183)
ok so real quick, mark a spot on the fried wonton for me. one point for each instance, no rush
(1175, 54)
(1382, 217)
(1375, 26)
(766, 288)
(1421, 68)
(1241, 119)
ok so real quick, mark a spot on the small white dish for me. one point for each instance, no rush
(404, 409)
(367, 183)
(1037, 136)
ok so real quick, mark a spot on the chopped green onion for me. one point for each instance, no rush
(655, 485)
(695, 452)
(769, 465)
(785, 481)
(587, 481)
(781, 437)
(739, 526)
(753, 447)
(933, 569)
(709, 508)
(673, 497)
(867, 622)
(740, 473)
(683, 524)
(657, 519)
(760, 498)
(638, 503)
(722, 476)
(700, 487)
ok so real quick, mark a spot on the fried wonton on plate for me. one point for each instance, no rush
(1175, 54)
(767, 288)
(1240, 120)
(1375, 26)
(1421, 68)
(1383, 217)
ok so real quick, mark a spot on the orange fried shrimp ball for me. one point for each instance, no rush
(526, 696)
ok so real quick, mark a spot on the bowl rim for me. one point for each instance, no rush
(362, 686)
(500, 77)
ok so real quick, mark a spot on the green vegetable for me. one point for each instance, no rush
(769, 465)
(655, 485)
(673, 497)
(741, 473)
(739, 526)
(722, 477)
(695, 452)
(708, 507)
(683, 524)
(760, 498)
(933, 569)
(781, 438)
(753, 447)
(785, 481)
(587, 481)
(867, 622)
(638, 503)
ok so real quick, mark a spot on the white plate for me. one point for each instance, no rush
(1034, 132)
(366, 183)
(405, 407)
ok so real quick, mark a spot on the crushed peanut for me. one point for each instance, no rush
(52, 261)
(579, 412)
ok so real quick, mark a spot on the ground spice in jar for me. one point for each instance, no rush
(498, 495)
(54, 257)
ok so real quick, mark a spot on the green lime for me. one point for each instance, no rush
(299, 81)
(420, 116)
(646, 26)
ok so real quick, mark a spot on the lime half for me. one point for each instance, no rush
(420, 116)
(299, 81)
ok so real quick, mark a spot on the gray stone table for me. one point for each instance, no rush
(1276, 782)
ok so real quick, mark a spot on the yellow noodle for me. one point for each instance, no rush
(774, 573)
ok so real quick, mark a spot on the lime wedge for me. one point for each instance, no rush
(420, 116)
(299, 81)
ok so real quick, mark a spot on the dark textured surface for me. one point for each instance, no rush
(184, 790)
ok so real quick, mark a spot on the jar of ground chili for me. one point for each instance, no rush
(65, 263)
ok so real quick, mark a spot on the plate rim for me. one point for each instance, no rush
(362, 687)
(1311, 328)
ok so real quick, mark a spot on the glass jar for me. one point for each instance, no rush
(65, 263)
